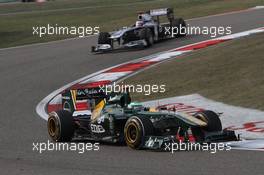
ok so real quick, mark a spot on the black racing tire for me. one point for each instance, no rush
(178, 25)
(213, 124)
(61, 126)
(135, 130)
(103, 38)
(147, 34)
(212, 119)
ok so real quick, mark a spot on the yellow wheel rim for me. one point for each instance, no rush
(52, 126)
(132, 132)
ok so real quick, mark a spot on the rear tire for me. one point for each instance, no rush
(212, 119)
(179, 25)
(136, 128)
(213, 124)
(104, 38)
(147, 34)
(61, 126)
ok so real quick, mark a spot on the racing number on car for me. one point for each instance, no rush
(97, 128)
(250, 127)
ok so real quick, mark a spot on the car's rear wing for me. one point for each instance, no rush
(77, 99)
(161, 12)
(74, 99)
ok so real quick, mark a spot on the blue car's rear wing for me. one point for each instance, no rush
(162, 12)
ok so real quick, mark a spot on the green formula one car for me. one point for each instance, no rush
(90, 114)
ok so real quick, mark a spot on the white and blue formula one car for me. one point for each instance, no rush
(147, 30)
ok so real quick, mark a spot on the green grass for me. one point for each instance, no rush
(16, 29)
(232, 72)
(63, 4)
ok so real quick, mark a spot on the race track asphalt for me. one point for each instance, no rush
(30, 73)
